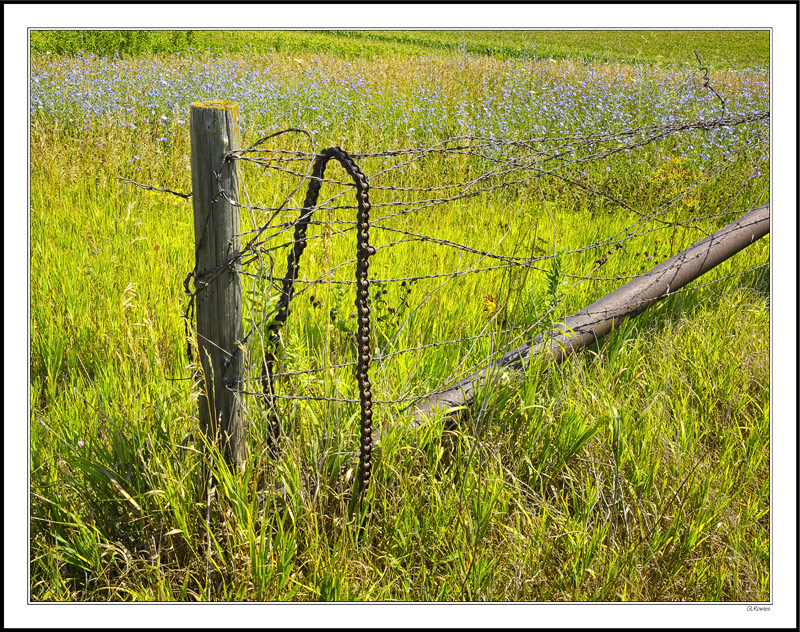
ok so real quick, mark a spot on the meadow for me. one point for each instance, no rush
(636, 470)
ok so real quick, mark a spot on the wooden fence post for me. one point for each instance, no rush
(214, 131)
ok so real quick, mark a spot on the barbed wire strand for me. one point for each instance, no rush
(504, 161)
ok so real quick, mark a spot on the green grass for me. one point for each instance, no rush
(637, 470)
(721, 49)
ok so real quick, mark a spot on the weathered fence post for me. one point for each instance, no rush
(214, 131)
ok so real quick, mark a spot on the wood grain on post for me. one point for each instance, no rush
(214, 131)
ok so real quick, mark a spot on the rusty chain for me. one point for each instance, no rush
(364, 251)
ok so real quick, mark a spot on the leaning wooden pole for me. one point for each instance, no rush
(599, 318)
(214, 131)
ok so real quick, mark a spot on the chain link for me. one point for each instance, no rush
(363, 252)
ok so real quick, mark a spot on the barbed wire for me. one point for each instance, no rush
(472, 172)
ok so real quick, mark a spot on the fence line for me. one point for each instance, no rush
(501, 174)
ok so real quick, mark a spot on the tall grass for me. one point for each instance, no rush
(637, 470)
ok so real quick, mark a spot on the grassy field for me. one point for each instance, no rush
(637, 470)
(721, 49)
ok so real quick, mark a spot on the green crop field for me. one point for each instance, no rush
(637, 470)
(723, 49)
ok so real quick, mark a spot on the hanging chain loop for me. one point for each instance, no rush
(364, 251)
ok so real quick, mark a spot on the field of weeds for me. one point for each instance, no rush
(636, 470)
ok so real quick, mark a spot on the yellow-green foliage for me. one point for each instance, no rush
(721, 49)
(637, 470)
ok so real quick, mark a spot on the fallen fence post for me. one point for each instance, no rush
(214, 131)
(599, 318)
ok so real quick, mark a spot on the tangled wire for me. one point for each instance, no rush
(496, 166)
